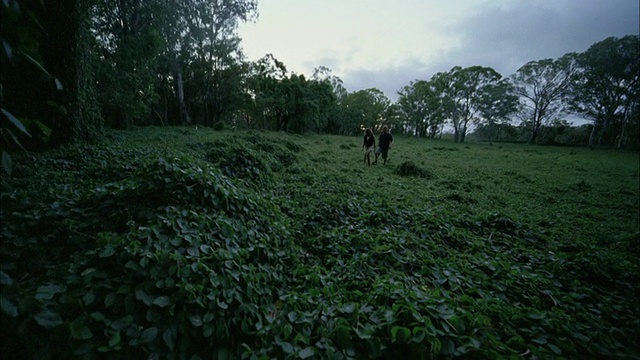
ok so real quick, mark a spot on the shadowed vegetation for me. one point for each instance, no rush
(175, 242)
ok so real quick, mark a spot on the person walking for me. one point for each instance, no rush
(368, 145)
(384, 144)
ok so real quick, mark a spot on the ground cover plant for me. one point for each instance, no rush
(188, 243)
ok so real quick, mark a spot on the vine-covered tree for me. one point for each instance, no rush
(47, 75)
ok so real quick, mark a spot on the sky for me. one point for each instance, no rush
(387, 44)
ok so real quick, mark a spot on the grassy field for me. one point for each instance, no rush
(181, 242)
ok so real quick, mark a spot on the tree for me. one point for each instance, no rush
(542, 87)
(129, 44)
(606, 88)
(366, 108)
(466, 89)
(413, 102)
(188, 49)
(496, 104)
(213, 44)
(265, 76)
(335, 114)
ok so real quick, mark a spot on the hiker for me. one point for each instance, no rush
(384, 144)
(368, 145)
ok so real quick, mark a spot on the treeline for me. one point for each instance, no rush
(558, 132)
(72, 68)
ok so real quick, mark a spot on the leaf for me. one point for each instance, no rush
(8, 307)
(535, 315)
(149, 335)
(169, 337)
(555, 349)
(418, 334)
(15, 139)
(292, 316)
(448, 347)
(162, 301)
(196, 320)
(115, 339)
(80, 331)
(287, 347)
(5, 279)
(36, 63)
(208, 330)
(44, 128)
(5, 44)
(6, 162)
(207, 317)
(88, 298)
(47, 292)
(107, 251)
(48, 319)
(306, 352)
(88, 271)
(348, 309)
(16, 122)
(144, 297)
(400, 333)
(540, 340)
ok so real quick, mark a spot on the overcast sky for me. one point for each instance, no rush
(386, 44)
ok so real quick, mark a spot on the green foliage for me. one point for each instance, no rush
(408, 168)
(606, 91)
(183, 243)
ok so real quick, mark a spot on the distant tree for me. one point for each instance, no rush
(503, 132)
(542, 87)
(367, 108)
(467, 87)
(215, 72)
(606, 88)
(496, 105)
(288, 102)
(413, 102)
(265, 76)
(189, 50)
(392, 117)
(334, 114)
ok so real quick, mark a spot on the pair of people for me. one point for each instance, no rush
(384, 144)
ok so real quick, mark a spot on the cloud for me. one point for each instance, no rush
(385, 45)
(505, 36)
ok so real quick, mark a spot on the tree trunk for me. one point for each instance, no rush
(534, 135)
(184, 113)
(592, 135)
(67, 55)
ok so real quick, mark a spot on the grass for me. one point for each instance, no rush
(260, 244)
